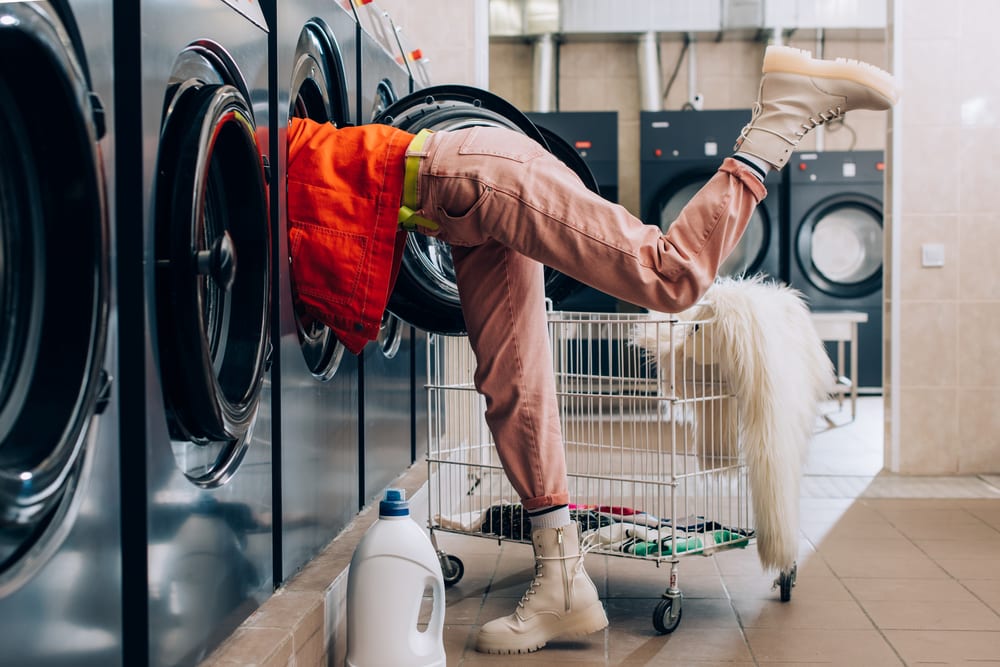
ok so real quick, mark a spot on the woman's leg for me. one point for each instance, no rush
(503, 300)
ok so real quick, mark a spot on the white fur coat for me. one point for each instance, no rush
(763, 339)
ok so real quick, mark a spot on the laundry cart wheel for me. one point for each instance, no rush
(786, 579)
(452, 569)
(667, 615)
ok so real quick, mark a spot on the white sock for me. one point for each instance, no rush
(761, 167)
(555, 516)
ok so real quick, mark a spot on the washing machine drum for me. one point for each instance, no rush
(212, 264)
(748, 256)
(426, 294)
(54, 268)
(839, 245)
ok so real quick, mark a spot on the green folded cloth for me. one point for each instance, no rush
(666, 546)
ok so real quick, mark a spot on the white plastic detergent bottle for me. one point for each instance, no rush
(392, 568)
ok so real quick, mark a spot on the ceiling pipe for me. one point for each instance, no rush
(650, 95)
(543, 83)
(821, 130)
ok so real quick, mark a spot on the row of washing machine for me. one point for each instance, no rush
(176, 438)
(819, 229)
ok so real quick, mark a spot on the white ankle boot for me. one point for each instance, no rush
(561, 600)
(799, 92)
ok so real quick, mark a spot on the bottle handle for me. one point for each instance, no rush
(435, 626)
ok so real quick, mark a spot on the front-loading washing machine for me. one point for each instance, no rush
(680, 151)
(426, 294)
(315, 46)
(195, 240)
(835, 205)
(60, 535)
(387, 364)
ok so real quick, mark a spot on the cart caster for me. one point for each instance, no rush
(785, 582)
(667, 615)
(452, 568)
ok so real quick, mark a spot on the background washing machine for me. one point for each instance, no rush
(680, 151)
(315, 50)
(387, 364)
(591, 137)
(835, 204)
(60, 544)
(195, 246)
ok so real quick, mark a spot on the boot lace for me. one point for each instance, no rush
(586, 546)
(824, 117)
(811, 123)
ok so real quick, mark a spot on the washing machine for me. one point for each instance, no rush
(196, 245)
(387, 386)
(680, 152)
(591, 137)
(316, 69)
(426, 294)
(835, 206)
(60, 537)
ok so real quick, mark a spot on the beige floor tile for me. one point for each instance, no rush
(685, 646)
(985, 549)
(462, 611)
(903, 590)
(970, 568)
(855, 565)
(950, 647)
(848, 647)
(802, 612)
(872, 548)
(932, 615)
(806, 588)
(987, 590)
(826, 532)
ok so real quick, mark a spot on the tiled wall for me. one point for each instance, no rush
(942, 414)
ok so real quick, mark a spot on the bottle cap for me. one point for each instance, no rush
(394, 503)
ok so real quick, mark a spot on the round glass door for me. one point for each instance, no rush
(749, 253)
(319, 93)
(840, 245)
(54, 282)
(212, 267)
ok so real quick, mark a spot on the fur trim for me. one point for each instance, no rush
(762, 337)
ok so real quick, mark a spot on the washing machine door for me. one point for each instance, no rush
(212, 264)
(318, 92)
(839, 245)
(54, 282)
(749, 255)
(426, 294)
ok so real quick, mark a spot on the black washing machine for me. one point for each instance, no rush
(195, 246)
(590, 137)
(680, 151)
(835, 205)
(60, 535)
(426, 294)
(314, 45)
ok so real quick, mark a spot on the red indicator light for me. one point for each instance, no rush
(582, 144)
(880, 166)
(416, 54)
(658, 153)
(802, 166)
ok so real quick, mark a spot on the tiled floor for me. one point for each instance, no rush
(892, 571)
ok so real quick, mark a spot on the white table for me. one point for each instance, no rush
(841, 327)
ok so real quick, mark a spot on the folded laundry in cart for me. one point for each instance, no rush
(706, 542)
(698, 524)
(620, 536)
(619, 513)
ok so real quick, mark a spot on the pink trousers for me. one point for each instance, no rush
(507, 206)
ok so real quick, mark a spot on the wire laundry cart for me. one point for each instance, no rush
(651, 435)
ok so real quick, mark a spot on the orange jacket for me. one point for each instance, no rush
(344, 192)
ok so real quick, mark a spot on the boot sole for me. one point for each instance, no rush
(583, 623)
(788, 60)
